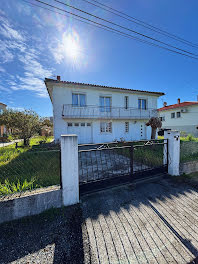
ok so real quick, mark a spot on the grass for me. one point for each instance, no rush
(188, 148)
(29, 167)
(151, 155)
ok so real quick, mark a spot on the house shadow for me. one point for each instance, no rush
(54, 236)
(61, 236)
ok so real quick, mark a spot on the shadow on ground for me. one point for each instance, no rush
(152, 223)
(52, 237)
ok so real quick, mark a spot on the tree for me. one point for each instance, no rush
(155, 123)
(23, 124)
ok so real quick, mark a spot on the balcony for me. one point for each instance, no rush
(95, 112)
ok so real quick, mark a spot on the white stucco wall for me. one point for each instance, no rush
(63, 95)
(188, 122)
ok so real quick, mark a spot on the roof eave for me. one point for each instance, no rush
(101, 86)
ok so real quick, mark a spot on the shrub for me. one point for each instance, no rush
(190, 137)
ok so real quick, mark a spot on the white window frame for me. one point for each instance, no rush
(126, 127)
(105, 108)
(78, 94)
(173, 115)
(179, 114)
(106, 127)
(141, 99)
(126, 102)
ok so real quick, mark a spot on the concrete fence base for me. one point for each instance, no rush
(29, 203)
(188, 167)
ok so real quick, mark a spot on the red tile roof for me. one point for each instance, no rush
(184, 104)
(102, 86)
(3, 104)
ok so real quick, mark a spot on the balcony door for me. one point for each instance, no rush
(105, 104)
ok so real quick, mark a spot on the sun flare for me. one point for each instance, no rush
(71, 46)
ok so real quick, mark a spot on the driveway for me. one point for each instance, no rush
(152, 223)
(95, 165)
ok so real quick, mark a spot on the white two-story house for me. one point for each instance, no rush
(182, 116)
(99, 114)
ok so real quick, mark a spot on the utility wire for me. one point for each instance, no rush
(106, 27)
(133, 31)
(140, 22)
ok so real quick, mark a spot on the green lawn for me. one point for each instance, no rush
(28, 167)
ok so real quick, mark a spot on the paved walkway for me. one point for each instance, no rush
(10, 143)
(153, 223)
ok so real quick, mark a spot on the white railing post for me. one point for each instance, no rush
(173, 151)
(69, 169)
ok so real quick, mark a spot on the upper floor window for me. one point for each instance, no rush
(78, 99)
(142, 104)
(105, 104)
(126, 102)
(172, 115)
(178, 114)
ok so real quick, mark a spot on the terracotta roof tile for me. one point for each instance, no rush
(184, 104)
(102, 86)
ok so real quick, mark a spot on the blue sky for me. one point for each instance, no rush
(36, 43)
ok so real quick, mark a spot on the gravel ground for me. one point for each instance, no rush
(152, 223)
(53, 237)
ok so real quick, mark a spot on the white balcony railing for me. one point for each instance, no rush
(95, 112)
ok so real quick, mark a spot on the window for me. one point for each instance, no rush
(69, 124)
(162, 118)
(82, 124)
(126, 127)
(106, 127)
(105, 104)
(126, 102)
(172, 115)
(78, 100)
(76, 124)
(178, 114)
(88, 124)
(142, 104)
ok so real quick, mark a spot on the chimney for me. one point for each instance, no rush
(178, 100)
(58, 78)
(165, 104)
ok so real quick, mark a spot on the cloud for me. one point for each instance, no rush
(33, 76)
(18, 47)
(2, 69)
(7, 30)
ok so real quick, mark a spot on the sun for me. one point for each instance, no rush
(71, 45)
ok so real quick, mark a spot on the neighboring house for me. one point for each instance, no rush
(2, 128)
(182, 116)
(99, 113)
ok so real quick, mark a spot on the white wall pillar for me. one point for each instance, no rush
(173, 151)
(69, 169)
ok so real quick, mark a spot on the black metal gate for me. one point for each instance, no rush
(109, 164)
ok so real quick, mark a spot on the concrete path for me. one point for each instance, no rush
(10, 143)
(154, 223)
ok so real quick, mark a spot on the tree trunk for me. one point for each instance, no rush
(26, 141)
(153, 132)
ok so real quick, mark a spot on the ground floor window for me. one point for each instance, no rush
(126, 127)
(106, 127)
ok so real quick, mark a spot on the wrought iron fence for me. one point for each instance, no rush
(122, 160)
